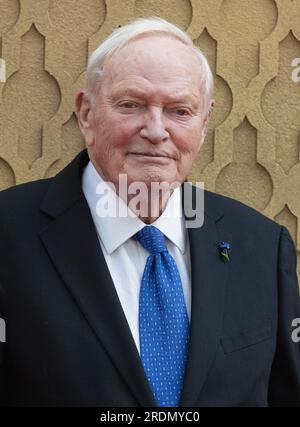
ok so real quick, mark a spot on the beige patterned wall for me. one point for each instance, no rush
(252, 151)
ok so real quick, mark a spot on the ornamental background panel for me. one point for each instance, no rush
(252, 150)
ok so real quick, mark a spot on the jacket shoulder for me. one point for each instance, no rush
(239, 213)
(23, 196)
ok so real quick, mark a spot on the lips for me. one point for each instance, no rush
(168, 156)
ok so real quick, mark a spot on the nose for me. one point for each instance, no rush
(154, 127)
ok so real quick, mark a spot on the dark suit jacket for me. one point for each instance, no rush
(67, 338)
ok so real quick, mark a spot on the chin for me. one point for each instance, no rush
(154, 175)
(149, 178)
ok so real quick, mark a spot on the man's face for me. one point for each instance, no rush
(147, 119)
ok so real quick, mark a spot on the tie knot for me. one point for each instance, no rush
(152, 239)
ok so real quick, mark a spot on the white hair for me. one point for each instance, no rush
(149, 26)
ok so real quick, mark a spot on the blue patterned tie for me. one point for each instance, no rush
(163, 320)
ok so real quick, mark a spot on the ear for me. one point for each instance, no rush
(84, 115)
(206, 120)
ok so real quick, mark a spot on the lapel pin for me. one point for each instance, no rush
(224, 248)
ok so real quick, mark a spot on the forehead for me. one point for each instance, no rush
(154, 60)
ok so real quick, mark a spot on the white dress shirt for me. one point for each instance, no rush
(125, 257)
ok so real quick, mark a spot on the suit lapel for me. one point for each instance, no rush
(209, 276)
(72, 244)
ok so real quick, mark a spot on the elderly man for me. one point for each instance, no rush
(126, 306)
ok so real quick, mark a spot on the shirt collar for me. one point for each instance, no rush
(115, 230)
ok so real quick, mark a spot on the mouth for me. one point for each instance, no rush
(160, 158)
(153, 155)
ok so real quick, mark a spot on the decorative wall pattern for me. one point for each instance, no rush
(252, 150)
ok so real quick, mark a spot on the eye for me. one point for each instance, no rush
(179, 111)
(182, 112)
(128, 104)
